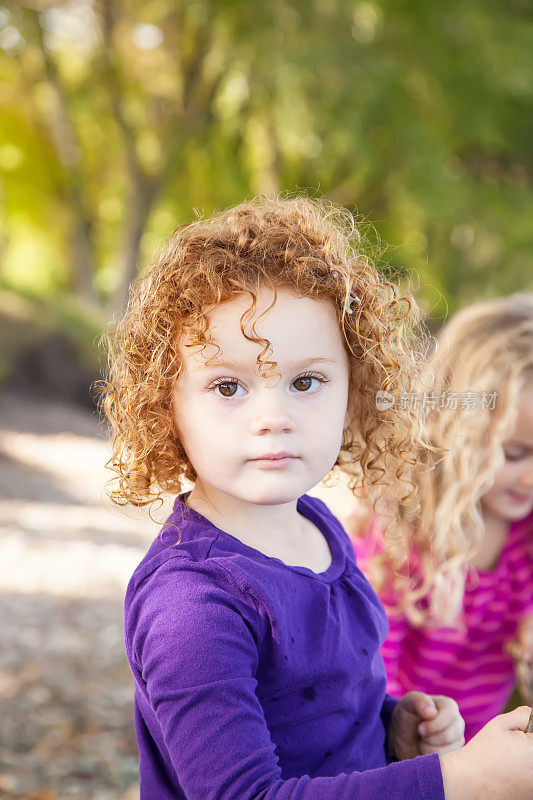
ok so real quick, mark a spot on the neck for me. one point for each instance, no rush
(496, 527)
(495, 533)
(251, 523)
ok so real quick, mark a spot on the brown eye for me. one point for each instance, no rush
(226, 389)
(305, 380)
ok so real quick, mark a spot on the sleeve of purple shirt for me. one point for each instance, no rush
(195, 659)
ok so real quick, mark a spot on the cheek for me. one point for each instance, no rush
(211, 427)
(324, 430)
(505, 479)
(189, 422)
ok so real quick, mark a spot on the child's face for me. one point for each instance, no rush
(511, 496)
(229, 416)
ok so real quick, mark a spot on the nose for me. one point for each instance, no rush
(270, 411)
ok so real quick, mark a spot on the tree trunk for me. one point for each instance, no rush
(143, 195)
(83, 262)
(64, 136)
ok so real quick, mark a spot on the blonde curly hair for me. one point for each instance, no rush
(486, 351)
(314, 249)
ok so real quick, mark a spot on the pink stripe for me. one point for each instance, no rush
(458, 688)
(479, 703)
(460, 668)
(422, 647)
(500, 668)
(395, 637)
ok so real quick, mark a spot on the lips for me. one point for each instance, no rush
(274, 456)
(521, 498)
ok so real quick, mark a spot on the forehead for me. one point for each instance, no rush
(295, 327)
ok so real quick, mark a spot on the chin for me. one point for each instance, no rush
(273, 497)
(520, 513)
(516, 513)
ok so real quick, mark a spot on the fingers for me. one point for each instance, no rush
(444, 733)
(452, 737)
(448, 718)
(421, 704)
(514, 720)
(426, 749)
(432, 724)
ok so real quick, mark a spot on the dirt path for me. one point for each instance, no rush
(66, 728)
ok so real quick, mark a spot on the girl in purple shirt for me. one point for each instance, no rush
(253, 361)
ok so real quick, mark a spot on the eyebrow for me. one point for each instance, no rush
(298, 365)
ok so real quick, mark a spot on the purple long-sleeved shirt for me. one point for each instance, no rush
(255, 680)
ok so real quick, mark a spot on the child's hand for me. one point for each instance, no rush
(423, 723)
(497, 763)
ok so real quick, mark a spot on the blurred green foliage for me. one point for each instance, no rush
(118, 119)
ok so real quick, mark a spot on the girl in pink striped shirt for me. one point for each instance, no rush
(463, 626)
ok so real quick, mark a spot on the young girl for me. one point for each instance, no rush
(460, 637)
(247, 364)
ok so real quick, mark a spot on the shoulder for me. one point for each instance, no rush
(182, 608)
(315, 508)
(183, 587)
(176, 577)
(188, 554)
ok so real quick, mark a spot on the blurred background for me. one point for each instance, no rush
(120, 121)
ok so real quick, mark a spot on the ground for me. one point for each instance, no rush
(66, 728)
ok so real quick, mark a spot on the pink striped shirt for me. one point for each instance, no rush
(467, 662)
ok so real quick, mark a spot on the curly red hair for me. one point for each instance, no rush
(312, 248)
